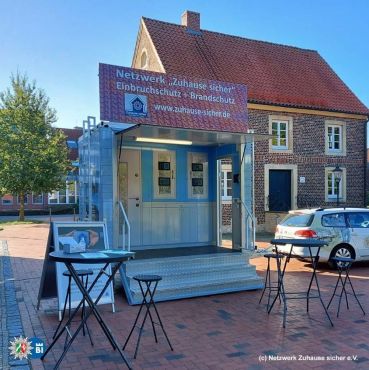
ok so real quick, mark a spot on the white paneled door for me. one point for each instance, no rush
(130, 191)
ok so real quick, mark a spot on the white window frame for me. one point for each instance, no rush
(331, 138)
(66, 195)
(42, 198)
(52, 196)
(342, 138)
(332, 197)
(279, 130)
(288, 121)
(225, 170)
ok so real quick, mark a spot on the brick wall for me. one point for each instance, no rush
(29, 206)
(44, 207)
(227, 216)
(309, 156)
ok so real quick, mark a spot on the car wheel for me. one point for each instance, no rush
(343, 250)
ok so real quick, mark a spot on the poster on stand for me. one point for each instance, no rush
(91, 236)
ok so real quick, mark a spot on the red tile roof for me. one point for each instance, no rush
(273, 73)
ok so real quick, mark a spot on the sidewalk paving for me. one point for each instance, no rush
(229, 331)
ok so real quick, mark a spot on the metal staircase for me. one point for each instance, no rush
(192, 275)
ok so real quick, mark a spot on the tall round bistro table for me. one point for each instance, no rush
(308, 245)
(95, 258)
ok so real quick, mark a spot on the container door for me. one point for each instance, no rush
(130, 192)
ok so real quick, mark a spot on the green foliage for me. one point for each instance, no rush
(33, 154)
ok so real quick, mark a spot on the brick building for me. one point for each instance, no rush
(315, 120)
(56, 201)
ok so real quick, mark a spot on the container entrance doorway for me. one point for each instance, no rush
(224, 202)
(130, 193)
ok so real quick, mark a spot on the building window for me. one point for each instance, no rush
(71, 190)
(335, 138)
(280, 134)
(25, 199)
(54, 197)
(65, 196)
(333, 187)
(7, 200)
(37, 198)
(226, 184)
(281, 130)
(143, 61)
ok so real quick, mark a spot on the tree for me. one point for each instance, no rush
(33, 154)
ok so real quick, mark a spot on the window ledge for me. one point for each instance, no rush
(335, 154)
(334, 200)
(282, 151)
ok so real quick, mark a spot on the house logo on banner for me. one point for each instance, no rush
(135, 105)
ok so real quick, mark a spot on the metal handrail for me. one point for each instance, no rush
(251, 217)
(126, 222)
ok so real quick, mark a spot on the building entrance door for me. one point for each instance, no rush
(279, 190)
(130, 193)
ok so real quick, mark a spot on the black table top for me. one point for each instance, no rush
(102, 256)
(313, 243)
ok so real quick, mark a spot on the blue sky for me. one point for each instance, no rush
(60, 43)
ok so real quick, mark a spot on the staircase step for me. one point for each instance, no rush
(175, 263)
(203, 278)
(191, 276)
(176, 270)
(213, 288)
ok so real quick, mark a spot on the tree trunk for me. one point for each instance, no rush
(21, 208)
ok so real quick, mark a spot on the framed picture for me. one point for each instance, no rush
(93, 237)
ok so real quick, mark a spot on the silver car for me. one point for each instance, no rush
(345, 229)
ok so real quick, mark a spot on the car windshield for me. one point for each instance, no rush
(297, 220)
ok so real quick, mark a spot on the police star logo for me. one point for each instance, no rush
(20, 348)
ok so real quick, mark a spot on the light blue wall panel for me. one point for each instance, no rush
(189, 224)
(147, 175)
(158, 225)
(107, 180)
(146, 224)
(212, 175)
(182, 175)
(204, 223)
(171, 224)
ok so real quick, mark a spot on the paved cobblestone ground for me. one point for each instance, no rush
(11, 324)
(226, 331)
